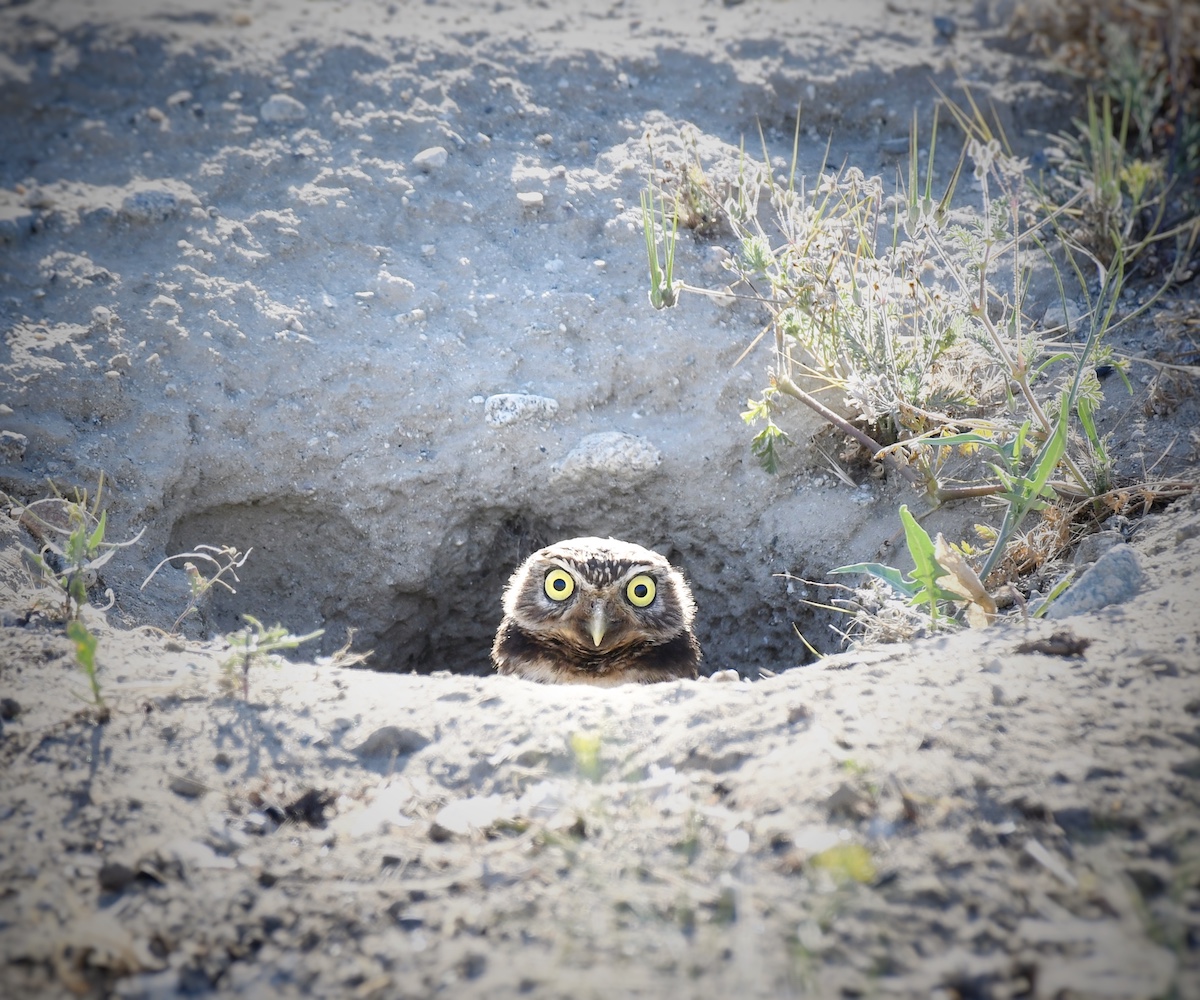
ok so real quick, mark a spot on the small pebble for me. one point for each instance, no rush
(12, 446)
(10, 708)
(431, 158)
(737, 841)
(282, 109)
(1114, 578)
(1184, 534)
(531, 199)
(946, 27)
(391, 740)
(150, 205)
(508, 407)
(115, 875)
(189, 788)
(258, 823)
(1092, 547)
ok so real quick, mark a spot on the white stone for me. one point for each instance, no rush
(476, 813)
(508, 407)
(612, 455)
(431, 158)
(531, 199)
(13, 445)
(392, 289)
(282, 109)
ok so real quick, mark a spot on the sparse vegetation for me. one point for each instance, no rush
(225, 561)
(73, 548)
(941, 576)
(1145, 58)
(909, 307)
(257, 644)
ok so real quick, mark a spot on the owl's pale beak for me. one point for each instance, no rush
(597, 624)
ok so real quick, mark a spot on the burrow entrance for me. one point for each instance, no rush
(307, 571)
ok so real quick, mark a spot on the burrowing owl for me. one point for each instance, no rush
(597, 611)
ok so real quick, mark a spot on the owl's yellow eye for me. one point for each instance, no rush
(640, 591)
(559, 585)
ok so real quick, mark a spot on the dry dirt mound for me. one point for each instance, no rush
(363, 286)
(1001, 813)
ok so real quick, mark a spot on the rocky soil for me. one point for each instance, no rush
(362, 286)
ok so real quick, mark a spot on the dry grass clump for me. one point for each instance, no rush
(1144, 54)
(906, 310)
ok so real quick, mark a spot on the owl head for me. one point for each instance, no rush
(599, 596)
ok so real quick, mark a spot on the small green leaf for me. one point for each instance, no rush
(920, 547)
(85, 644)
(764, 446)
(586, 747)
(97, 536)
(847, 863)
(756, 410)
(888, 574)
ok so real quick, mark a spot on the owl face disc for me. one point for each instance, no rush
(600, 611)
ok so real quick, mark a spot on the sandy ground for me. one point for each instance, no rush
(241, 280)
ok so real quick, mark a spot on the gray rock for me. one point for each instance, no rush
(387, 741)
(189, 788)
(115, 875)
(1113, 579)
(1092, 547)
(282, 109)
(150, 205)
(946, 27)
(12, 446)
(1070, 314)
(508, 407)
(610, 454)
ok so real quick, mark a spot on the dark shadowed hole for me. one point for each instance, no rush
(305, 572)
(303, 558)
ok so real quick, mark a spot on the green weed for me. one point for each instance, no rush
(73, 548)
(923, 587)
(586, 748)
(910, 307)
(257, 644)
(1112, 199)
(663, 291)
(85, 656)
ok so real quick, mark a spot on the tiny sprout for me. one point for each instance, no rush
(256, 643)
(72, 554)
(226, 559)
(85, 655)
